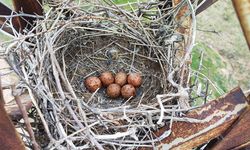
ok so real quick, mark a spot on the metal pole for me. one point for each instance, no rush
(204, 5)
(242, 8)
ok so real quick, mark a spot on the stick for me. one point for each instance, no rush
(26, 119)
(9, 138)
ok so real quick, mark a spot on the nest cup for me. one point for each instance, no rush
(71, 45)
(90, 56)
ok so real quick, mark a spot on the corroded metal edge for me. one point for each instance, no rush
(218, 115)
(238, 136)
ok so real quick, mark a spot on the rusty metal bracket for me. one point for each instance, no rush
(238, 136)
(216, 117)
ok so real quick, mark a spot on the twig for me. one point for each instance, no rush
(25, 118)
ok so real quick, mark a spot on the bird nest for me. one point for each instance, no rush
(72, 43)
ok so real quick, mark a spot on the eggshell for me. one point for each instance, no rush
(135, 79)
(127, 91)
(107, 78)
(121, 78)
(93, 83)
(114, 90)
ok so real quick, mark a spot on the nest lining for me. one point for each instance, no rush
(113, 54)
(68, 48)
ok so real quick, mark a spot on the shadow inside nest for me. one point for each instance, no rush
(89, 56)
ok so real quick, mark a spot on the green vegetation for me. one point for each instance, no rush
(4, 37)
(123, 1)
(213, 68)
(128, 7)
(212, 65)
(219, 28)
(7, 2)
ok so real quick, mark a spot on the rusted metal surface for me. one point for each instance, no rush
(184, 27)
(5, 11)
(2, 102)
(32, 7)
(238, 136)
(242, 8)
(9, 138)
(217, 116)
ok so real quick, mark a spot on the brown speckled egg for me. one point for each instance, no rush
(121, 78)
(114, 90)
(107, 78)
(128, 90)
(135, 79)
(93, 83)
